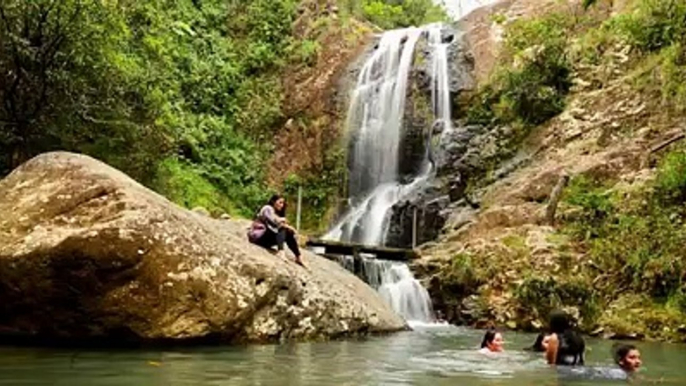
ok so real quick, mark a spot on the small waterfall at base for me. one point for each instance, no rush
(400, 289)
(375, 118)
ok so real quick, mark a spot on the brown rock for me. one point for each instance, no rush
(88, 253)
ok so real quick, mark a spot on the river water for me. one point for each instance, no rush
(438, 355)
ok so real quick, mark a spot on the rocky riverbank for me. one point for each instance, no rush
(612, 253)
(86, 253)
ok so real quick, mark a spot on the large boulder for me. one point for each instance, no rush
(88, 253)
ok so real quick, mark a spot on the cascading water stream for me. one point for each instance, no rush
(375, 116)
(376, 119)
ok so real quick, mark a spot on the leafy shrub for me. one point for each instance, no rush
(636, 240)
(538, 296)
(185, 186)
(390, 14)
(462, 276)
(532, 83)
(655, 24)
(670, 183)
(595, 204)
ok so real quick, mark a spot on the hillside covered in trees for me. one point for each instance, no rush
(197, 99)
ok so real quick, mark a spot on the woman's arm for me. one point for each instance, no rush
(551, 351)
(269, 216)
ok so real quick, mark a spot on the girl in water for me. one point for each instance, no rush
(540, 344)
(627, 357)
(565, 346)
(492, 342)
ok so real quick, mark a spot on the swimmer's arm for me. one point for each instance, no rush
(551, 351)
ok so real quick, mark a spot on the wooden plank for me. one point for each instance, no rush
(343, 248)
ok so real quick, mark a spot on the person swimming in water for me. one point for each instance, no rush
(540, 344)
(627, 357)
(492, 342)
(565, 345)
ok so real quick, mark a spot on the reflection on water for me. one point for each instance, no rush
(431, 355)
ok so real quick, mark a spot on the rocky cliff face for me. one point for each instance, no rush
(500, 258)
(439, 141)
(87, 253)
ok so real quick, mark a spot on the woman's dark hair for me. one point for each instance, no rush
(538, 344)
(489, 336)
(620, 351)
(272, 202)
(559, 322)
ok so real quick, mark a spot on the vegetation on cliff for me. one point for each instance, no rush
(600, 95)
(189, 97)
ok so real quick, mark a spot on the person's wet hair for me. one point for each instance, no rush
(538, 344)
(489, 336)
(559, 322)
(620, 351)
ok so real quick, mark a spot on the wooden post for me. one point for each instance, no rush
(357, 262)
(300, 201)
(555, 197)
(414, 227)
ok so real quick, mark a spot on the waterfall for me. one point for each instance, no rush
(398, 287)
(375, 118)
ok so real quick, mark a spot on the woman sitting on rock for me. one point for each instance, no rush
(271, 228)
(565, 345)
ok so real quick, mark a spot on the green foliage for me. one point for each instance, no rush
(655, 24)
(463, 276)
(538, 296)
(391, 14)
(184, 90)
(632, 313)
(184, 185)
(635, 239)
(595, 204)
(319, 192)
(531, 85)
(656, 33)
(670, 183)
(54, 56)
(305, 52)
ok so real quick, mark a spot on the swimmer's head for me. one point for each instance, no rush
(559, 322)
(541, 343)
(627, 357)
(493, 341)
